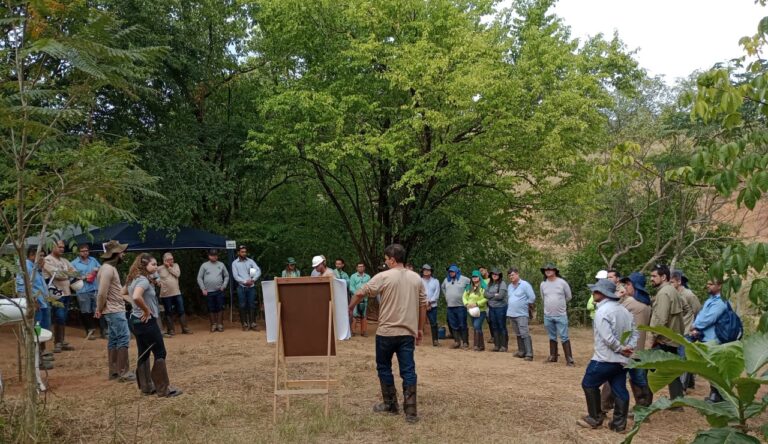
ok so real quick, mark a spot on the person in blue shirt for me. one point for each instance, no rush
(34, 265)
(87, 267)
(520, 300)
(703, 328)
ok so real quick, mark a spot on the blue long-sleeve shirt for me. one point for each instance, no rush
(518, 298)
(39, 287)
(83, 269)
(707, 317)
(432, 287)
(241, 271)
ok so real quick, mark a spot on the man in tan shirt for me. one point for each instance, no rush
(402, 315)
(667, 312)
(170, 295)
(61, 270)
(110, 303)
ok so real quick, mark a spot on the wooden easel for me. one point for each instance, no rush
(315, 293)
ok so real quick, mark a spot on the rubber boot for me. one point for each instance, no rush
(212, 317)
(57, 338)
(475, 347)
(112, 359)
(606, 398)
(691, 381)
(434, 335)
(619, 420)
(465, 338)
(456, 340)
(252, 319)
(552, 352)
(220, 322)
(676, 389)
(168, 321)
(389, 400)
(714, 395)
(144, 378)
(244, 319)
(527, 341)
(568, 354)
(123, 365)
(492, 333)
(520, 348)
(409, 402)
(184, 326)
(496, 341)
(451, 334)
(159, 377)
(64, 344)
(594, 418)
(504, 342)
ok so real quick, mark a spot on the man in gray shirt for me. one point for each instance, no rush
(453, 289)
(555, 292)
(212, 279)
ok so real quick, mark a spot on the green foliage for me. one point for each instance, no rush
(733, 368)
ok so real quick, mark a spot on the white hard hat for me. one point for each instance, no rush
(602, 274)
(252, 272)
(474, 312)
(76, 285)
(317, 260)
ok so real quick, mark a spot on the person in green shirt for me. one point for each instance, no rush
(474, 297)
(360, 313)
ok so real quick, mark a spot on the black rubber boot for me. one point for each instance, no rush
(619, 420)
(594, 418)
(434, 335)
(244, 319)
(465, 338)
(480, 341)
(568, 354)
(552, 352)
(504, 342)
(528, 348)
(496, 341)
(714, 395)
(389, 400)
(409, 404)
(520, 348)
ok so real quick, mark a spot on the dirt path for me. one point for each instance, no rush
(228, 380)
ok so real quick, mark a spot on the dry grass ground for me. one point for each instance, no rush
(228, 381)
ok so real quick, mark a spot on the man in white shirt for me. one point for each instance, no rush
(246, 273)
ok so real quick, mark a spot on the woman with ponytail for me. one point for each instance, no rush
(149, 338)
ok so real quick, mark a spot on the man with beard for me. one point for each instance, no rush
(667, 312)
(110, 303)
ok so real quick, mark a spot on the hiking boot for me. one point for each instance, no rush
(409, 402)
(389, 400)
(552, 352)
(159, 375)
(594, 418)
(568, 354)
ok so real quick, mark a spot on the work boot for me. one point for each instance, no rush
(123, 365)
(434, 336)
(244, 319)
(594, 418)
(496, 342)
(465, 338)
(159, 375)
(220, 323)
(527, 342)
(144, 378)
(568, 354)
(409, 402)
(552, 352)
(504, 342)
(212, 317)
(520, 348)
(112, 360)
(480, 342)
(619, 420)
(389, 400)
(184, 326)
(252, 319)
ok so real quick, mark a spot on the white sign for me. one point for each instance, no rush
(231, 245)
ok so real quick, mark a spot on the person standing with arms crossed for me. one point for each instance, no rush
(170, 294)
(402, 315)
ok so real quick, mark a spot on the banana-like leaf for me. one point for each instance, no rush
(729, 358)
(724, 436)
(756, 408)
(748, 387)
(755, 352)
(665, 367)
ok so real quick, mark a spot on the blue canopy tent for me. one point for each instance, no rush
(140, 239)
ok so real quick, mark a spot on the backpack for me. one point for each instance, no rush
(728, 327)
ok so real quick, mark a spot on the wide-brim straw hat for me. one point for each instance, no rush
(112, 248)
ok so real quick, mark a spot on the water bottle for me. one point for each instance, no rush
(38, 329)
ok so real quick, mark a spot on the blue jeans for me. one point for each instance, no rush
(457, 318)
(556, 325)
(497, 318)
(614, 373)
(43, 316)
(215, 301)
(119, 334)
(60, 313)
(173, 304)
(246, 297)
(432, 316)
(403, 347)
(477, 323)
(87, 302)
(638, 376)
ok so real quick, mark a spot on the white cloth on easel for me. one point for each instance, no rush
(340, 309)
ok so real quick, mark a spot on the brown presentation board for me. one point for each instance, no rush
(304, 305)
